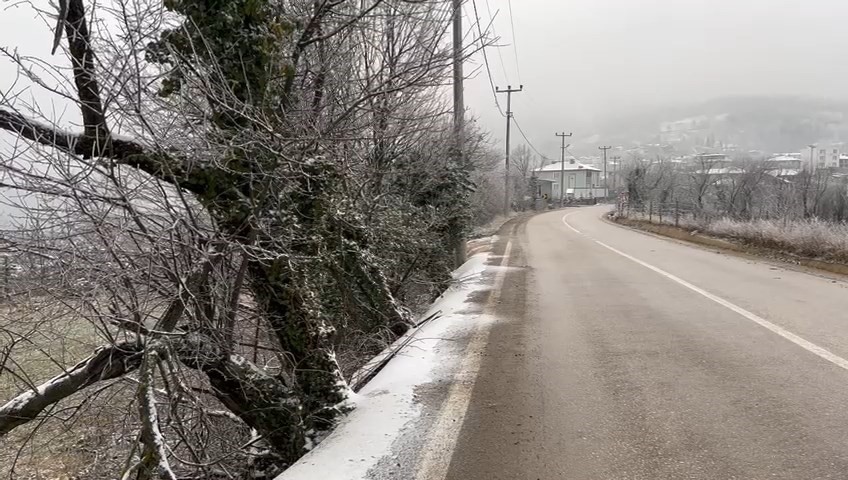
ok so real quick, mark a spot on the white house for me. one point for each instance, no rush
(580, 181)
(784, 161)
(822, 156)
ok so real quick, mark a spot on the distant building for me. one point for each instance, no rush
(581, 181)
(784, 161)
(722, 171)
(786, 174)
(596, 161)
(711, 160)
(823, 156)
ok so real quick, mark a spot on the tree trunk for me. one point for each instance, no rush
(265, 402)
(295, 317)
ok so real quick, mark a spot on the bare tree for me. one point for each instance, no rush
(703, 176)
(218, 219)
(736, 188)
(524, 162)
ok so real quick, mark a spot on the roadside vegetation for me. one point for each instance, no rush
(257, 197)
(804, 215)
(810, 238)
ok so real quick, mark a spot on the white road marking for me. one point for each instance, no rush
(805, 344)
(444, 434)
(565, 221)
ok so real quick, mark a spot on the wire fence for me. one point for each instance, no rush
(677, 213)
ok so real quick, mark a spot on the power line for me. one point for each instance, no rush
(486, 58)
(508, 91)
(491, 81)
(500, 55)
(514, 41)
(529, 95)
(518, 126)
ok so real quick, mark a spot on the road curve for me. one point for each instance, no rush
(620, 355)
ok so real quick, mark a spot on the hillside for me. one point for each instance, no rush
(770, 124)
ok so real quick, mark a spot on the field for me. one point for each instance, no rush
(38, 338)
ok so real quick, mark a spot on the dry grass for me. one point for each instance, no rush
(73, 439)
(809, 238)
(91, 433)
(814, 239)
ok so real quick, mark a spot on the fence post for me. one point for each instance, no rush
(651, 211)
(659, 212)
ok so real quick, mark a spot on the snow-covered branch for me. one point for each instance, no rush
(123, 151)
(105, 364)
(154, 453)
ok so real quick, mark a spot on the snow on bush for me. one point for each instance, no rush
(806, 237)
(812, 238)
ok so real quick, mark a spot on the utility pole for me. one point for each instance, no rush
(812, 160)
(562, 135)
(508, 91)
(616, 160)
(458, 97)
(458, 111)
(606, 186)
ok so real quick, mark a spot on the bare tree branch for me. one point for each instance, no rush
(106, 363)
(161, 165)
(82, 61)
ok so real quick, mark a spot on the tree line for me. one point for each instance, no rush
(741, 189)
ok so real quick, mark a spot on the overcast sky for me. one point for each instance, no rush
(586, 60)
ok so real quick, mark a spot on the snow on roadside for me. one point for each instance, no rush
(386, 405)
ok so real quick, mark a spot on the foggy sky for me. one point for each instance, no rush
(585, 60)
(582, 61)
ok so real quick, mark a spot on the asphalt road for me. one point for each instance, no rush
(620, 355)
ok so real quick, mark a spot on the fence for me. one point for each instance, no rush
(675, 213)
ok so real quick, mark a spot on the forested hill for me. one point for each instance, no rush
(768, 123)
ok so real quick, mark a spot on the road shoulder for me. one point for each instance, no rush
(679, 235)
(414, 404)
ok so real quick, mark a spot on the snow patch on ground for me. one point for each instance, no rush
(387, 404)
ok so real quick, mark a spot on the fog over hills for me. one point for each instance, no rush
(741, 123)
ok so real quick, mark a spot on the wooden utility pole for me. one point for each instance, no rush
(606, 186)
(508, 91)
(458, 110)
(458, 97)
(562, 135)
